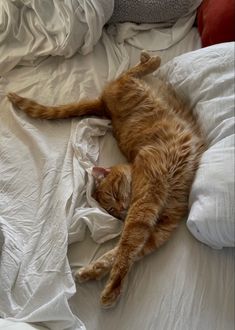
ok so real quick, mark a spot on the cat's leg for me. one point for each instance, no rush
(98, 268)
(146, 66)
(156, 239)
(144, 56)
(149, 195)
(162, 232)
(36, 110)
(102, 266)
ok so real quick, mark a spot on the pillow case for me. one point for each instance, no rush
(152, 11)
(206, 78)
(216, 19)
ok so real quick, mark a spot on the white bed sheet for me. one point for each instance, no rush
(185, 285)
(181, 291)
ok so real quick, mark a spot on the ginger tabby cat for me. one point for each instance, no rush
(162, 142)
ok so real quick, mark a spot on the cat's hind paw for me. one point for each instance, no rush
(153, 61)
(144, 56)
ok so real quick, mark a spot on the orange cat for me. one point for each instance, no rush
(161, 139)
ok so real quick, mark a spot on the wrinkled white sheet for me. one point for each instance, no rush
(30, 28)
(43, 180)
(185, 284)
(45, 184)
(45, 193)
(152, 37)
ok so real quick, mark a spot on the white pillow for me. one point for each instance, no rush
(206, 78)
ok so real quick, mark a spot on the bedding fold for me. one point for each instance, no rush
(45, 195)
(46, 183)
(44, 203)
(32, 29)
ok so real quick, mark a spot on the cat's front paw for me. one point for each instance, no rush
(110, 296)
(82, 275)
(113, 288)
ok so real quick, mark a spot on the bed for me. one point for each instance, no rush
(61, 51)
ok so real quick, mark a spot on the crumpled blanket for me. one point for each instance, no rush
(45, 181)
(33, 28)
(45, 189)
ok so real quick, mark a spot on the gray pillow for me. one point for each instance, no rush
(151, 11)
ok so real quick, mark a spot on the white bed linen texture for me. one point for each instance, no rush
(43, 179)
(44, 172)
(30, 28)
(45, 204)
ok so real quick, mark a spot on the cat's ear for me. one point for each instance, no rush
(99, 173)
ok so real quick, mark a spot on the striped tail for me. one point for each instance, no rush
(33, 109)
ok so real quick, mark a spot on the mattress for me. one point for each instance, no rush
(46, 205)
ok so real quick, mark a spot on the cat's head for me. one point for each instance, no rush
(113, 189)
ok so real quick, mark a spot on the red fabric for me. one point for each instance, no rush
(216, 21)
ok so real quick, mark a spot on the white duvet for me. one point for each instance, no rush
(45, 180)
(31, 29)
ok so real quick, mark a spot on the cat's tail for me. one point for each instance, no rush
(35, 110)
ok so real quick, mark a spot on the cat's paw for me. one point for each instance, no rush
(110, 296)
(113, 288)
(82, 275)
(92, 272)
(144, 56)
(154, 62)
